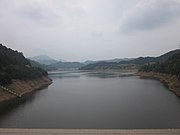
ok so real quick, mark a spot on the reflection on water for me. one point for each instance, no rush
(100, 74)
(94, 100)
(8, 107)
(109, 74)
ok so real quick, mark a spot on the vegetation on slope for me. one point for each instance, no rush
(107, 66)
(13, 65)
(170, 66)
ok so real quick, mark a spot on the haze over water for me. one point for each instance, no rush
(95, 100)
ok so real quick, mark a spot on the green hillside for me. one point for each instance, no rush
(170, 66)
(13, 65)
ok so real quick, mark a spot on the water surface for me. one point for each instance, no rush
(95, 100)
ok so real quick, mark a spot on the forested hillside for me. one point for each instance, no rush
(13, 65)
(170, 66)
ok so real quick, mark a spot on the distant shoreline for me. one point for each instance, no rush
(170, 81)
(110, 70)
(23, 87)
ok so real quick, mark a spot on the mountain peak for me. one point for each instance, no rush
(41, 57)
(44, 59)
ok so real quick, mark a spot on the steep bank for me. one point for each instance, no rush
(22, 87)
(171, 81)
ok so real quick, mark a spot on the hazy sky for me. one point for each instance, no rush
(90, 29)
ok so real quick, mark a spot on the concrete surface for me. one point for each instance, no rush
(6, 131)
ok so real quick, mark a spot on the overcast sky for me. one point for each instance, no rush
(79, 30)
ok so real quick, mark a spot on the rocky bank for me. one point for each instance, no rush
(23, 87)
(171, 81)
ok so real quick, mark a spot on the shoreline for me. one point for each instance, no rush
(170, 81)
(24, 87)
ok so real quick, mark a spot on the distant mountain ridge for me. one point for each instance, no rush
(109, 60)
(136, 61)
(57, 66)
(65, 65)
(68, 65)
(47, 63)
(43, 59)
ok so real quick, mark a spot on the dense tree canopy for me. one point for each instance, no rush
(170, 66)
(13, 65)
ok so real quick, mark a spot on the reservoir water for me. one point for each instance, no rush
(94, 100)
